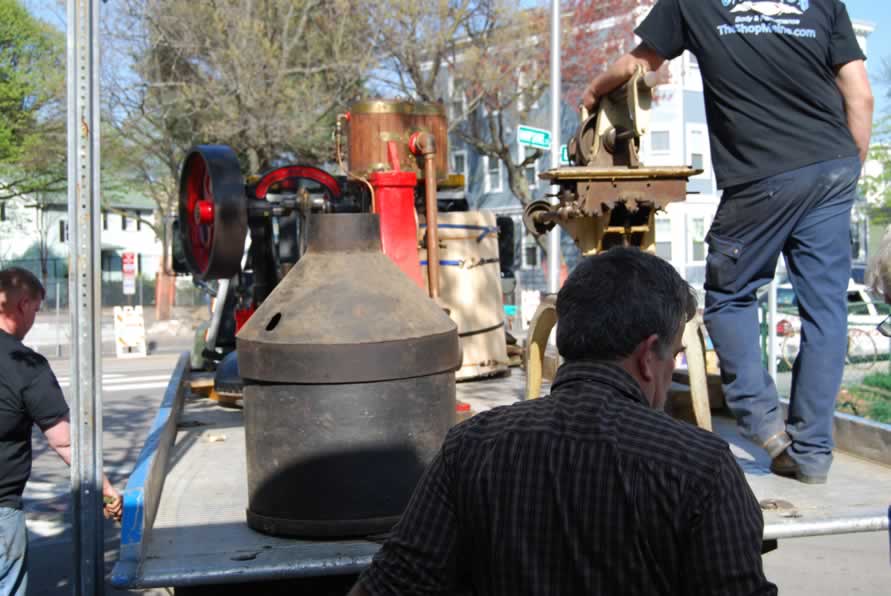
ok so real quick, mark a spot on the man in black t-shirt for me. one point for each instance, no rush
(29, 394)
(789, 111)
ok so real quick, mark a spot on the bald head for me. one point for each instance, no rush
(20, 296)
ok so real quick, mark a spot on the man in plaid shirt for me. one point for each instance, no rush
(592, 490)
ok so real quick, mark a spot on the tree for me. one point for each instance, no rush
(267, 77)
(32, 92)
(499, 53)
(875, 181)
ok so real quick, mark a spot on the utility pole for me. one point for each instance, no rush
(85, 295)
(554, 237)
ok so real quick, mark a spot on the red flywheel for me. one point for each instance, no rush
(212, 211)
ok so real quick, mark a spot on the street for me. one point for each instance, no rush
(852, 564)
(132, 390)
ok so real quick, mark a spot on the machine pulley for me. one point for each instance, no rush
(212, 206)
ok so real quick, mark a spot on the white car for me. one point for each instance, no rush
(865, 312)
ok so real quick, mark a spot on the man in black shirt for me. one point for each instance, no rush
(29, 394)
(789, 111)
(590, 490)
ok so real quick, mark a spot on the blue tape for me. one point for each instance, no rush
(445, 263)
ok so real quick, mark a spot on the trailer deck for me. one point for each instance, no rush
(184, 518)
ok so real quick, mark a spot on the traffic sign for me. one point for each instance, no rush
(128, 268)
(534, 137)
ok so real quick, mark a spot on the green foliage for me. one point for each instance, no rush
(871, 400)
(32, 85)
(880, 380)
(880, 411)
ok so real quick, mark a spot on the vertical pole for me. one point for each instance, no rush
(139, 277)
(554, 237)
(85, 295)
(58, 322)
(772, 329)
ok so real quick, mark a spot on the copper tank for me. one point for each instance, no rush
(375, 122)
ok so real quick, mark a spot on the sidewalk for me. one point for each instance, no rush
(51, 334)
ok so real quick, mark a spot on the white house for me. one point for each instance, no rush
(35, 229)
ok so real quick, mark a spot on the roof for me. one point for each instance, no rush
(116, 199)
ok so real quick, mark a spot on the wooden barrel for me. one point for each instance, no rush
(470, 287)
(374, 123)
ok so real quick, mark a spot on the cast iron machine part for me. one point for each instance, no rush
(349, 372)
(216, 209)
(609, 198)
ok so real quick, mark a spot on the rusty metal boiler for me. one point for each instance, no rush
(349, 373)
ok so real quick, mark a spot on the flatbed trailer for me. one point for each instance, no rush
(184, 505)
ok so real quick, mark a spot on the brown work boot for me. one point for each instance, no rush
(784, 465)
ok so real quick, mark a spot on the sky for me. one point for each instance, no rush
(877, 12)
(878, 45)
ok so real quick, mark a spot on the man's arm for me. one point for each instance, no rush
(853, 83)
(620, 71)
(724, 536)
(59, 438)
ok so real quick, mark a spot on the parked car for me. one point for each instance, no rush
(865, 311)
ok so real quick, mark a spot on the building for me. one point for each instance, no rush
(678, 135)
(34, 234)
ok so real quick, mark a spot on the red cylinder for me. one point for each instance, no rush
(394, 197)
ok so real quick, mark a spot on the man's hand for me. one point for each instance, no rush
(589, 100)
(619, 72)
(114, 505)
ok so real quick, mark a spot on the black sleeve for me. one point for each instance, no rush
(43, 399)
(663, 29)
(843, 47)
(726, 529)
(419, 557)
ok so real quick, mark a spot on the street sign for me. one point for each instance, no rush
(534, 137)
(128, 268)
(564, 155)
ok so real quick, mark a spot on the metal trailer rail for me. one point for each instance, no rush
(184, 505)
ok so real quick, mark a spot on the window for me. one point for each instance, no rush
(62, 231)
(697, 239)
(698, 149)
(663, 237)
(528, 87)
(3, 211)
(530, 172)
(124, 222)
(459, 164)
(696, 161)
(856, 305)
(692, 60)
(493, 174)
(531, 255)
(660, 141)
(105, 220)
(457, 99)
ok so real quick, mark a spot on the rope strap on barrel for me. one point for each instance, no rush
(485, 230)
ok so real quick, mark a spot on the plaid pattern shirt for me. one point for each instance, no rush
(588, 491)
